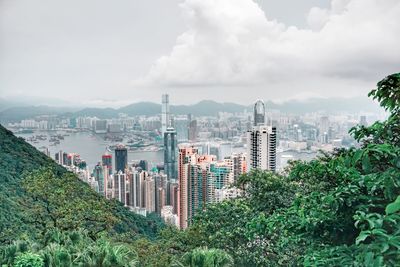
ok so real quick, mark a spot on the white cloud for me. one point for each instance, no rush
(232, 44)
(317, 18)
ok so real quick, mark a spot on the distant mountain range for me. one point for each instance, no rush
(203, 108)
(25, 112)
(5, 104)
(328, 105)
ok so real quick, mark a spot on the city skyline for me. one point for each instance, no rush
(218, 133)
(191, 175)
(263, 49)
(201, 156)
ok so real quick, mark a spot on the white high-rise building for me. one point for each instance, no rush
(261, 142)
(120, 187)
(165, 116)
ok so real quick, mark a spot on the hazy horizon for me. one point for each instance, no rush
(59, 103)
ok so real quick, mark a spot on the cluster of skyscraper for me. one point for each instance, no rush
(142, 190)
(202, 178)
(69, 159)
(185, 127)
(188, 179)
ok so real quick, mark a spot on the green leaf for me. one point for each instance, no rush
(362, 237)
(366, 164)
(357, 155)
(393, 207)
(368, 259)
(378, 262)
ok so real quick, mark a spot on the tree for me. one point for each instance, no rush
(29, 260)
(69, 248)
(65, 203)
(203, 257)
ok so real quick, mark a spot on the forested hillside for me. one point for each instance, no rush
(341, 209)
(37, 196)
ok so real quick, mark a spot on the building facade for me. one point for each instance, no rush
(259, 113)
(165, 115)
(261, 148)
(261, 142)
(106, 160)
(121, 158)
(170, 153)
(200, 179)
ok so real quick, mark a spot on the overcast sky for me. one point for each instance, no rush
(111, 53)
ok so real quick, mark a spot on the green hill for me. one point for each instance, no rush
(21, 198)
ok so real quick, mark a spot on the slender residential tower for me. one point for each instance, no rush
(186, 156)
(261, 142)
(170, 153)
(165, 116)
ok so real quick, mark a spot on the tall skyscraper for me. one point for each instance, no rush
(121, 158)
(186, 155)
(200, 177)
(136, 178)
(160, 183)
(99, 177)
(173, 198)
(165, 116)
(170, 153)
(149, 194)
(261, 142)
(119, 187)
(106, 175)
(106, 160)
(259, 113)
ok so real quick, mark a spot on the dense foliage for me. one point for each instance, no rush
(341, 209)
(68, 248)
(37, 196)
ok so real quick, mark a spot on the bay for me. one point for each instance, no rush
(89, 146)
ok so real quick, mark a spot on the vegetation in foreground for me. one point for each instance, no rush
(342, 209)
